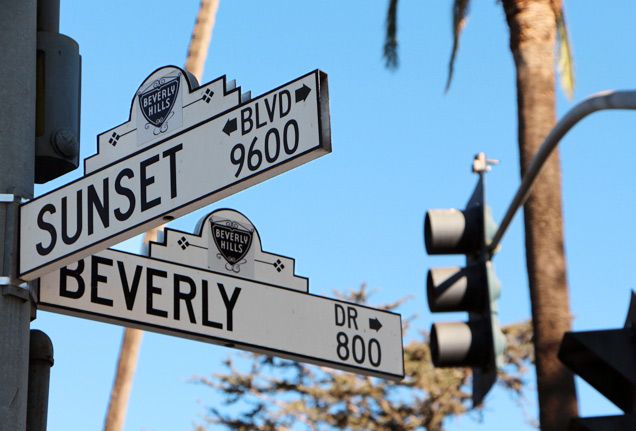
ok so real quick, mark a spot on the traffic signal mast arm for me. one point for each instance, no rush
(597, 102)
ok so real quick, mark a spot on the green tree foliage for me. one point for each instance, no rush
(273, 394)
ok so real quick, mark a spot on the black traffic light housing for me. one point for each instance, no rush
(58, 95)
(606, 360)
(478, 343)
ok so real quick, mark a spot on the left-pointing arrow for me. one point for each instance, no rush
(230, 126)
(375, 324)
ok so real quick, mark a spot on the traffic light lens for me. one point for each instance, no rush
(443, 231)
(457, 289)
(451, 231)
(459, 344)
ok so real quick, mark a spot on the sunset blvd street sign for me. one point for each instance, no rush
(181, 150)
(220, 287)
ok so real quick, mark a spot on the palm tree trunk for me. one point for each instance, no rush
(201, 36)
(532, 41)
(127, 362)
(129, 351)
(126, 365)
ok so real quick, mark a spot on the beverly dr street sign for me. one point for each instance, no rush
(183, 148)
(219, 286)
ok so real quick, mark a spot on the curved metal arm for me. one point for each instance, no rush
(597, 102)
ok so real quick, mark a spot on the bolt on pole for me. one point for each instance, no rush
(17, 136)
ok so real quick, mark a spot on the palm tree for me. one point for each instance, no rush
(131, 341)
(535, 26)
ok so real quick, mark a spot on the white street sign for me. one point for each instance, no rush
(219, 286)
(181, 150)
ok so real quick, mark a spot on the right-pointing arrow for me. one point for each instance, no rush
(375, 324)
(302, 93)
(230, 126)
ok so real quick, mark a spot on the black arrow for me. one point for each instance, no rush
(230, 126)
(302, 93)
(375, 324)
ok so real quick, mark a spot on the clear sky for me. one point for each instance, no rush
(400, 146)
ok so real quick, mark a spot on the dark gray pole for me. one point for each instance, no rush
(40, 363)
(17, 136)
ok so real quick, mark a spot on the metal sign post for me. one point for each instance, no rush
(17, 159)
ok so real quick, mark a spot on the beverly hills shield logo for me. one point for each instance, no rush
(232, 240)
(157, 101)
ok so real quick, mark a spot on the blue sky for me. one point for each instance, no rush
(400, 146)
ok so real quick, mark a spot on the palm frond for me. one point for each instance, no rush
(460, 13)
(390, 40)
(565, 64)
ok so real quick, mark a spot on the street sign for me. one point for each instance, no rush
(218, 286)
(181, 150)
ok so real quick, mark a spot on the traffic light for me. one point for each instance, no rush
(478, 343)
(58, 92)
(607, 361)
